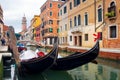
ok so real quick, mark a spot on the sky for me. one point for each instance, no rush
(14, 10)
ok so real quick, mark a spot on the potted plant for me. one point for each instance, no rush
(110, 14)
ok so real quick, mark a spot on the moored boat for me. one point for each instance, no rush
(77, 59)
(34, 65)
(39, 64)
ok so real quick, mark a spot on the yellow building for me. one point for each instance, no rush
(84, 18)
(36, 22)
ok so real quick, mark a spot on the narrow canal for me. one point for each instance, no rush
(105, 69)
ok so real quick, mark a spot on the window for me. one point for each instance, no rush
(65, 9)
(60, 12)
(75, 21)
(57, 22)
(83, 0)
(70, 5)
(70, 38)
(113, 32)
(70, 24)
(58, 30)
(58, 5)
(86, 19)
(65, 27)
(99, 14)
(86, 37)
(50, 13)
(50, 29)
(100, 33)
(61, 28)
(76, 2)
(111, 10)
(79, 20)
(112, 4)
(50, 4)
(63, 39)
(50, 21)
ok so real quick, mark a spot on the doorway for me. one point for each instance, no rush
(75, 40)
(80, 40)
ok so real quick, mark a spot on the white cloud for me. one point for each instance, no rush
(14, 10)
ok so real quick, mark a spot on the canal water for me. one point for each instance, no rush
(105, 69)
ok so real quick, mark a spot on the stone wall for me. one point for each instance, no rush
(1, 70)
(108, 55)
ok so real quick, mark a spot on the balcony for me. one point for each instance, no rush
(77, 29)
(111, 13)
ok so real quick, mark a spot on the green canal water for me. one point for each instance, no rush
(105, 69)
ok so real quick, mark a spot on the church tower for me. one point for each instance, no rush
(24, 23)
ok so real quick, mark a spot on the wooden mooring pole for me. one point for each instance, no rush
(13, 46)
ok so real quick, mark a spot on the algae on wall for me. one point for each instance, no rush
(1, 70)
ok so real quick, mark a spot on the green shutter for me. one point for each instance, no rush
(50, 30)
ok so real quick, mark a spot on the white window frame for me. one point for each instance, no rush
(116, 31)
(102, 13)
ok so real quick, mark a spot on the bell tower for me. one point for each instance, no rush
(24, 23)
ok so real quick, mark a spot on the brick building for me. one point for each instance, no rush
(111, 30)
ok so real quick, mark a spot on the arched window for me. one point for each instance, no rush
(112, 10)
(99, 13)
(112, 4)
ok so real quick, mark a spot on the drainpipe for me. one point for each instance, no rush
(103, 18)
(95, 13)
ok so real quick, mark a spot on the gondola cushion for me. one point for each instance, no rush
(40, 54)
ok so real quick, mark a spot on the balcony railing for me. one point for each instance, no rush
(77, 29)
(111, 12)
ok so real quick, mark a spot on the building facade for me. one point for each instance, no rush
(84, 18)
(36, 28)
(49, 16)
(63, 24)
(1, 22)
(111, 28)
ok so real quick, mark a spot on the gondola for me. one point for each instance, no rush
(40, 64)
(34, 65)
(77, 59)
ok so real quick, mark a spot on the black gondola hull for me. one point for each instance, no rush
(76, 59)
(38, 65)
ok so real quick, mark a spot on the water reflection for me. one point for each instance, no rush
(105, 70)
(90, 71)
(97, 71)
(48, 75)
(9, 70)
(31, 77)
